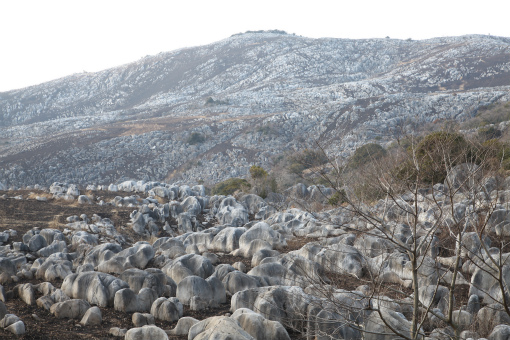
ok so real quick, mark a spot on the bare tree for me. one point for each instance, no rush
(417, 241)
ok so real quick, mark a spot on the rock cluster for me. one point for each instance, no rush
(275, 288)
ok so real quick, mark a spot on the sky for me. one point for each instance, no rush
(45, 40)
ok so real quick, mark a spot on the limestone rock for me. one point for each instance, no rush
(126, 300)
(167, 309)
(258, 327)
(3, 310)
(218, 328)
(136, 256)
(117, 332)
(195, 286)
(500, 332)
(92, 317)
(146, 333)
(17, 328)
(25, 292)
(72, 309)
(183, 326)
(188, 265)
(96, 288)
(142, 319)
(151, 278)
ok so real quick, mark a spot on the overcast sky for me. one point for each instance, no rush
(45, 40)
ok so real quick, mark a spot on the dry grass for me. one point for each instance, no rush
(34, 195)
(57, 222)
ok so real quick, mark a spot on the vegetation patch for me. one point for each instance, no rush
(195, 138)
(230, 186)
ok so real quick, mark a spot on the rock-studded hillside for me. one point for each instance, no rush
(251, 96)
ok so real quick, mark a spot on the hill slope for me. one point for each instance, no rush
(252, 96)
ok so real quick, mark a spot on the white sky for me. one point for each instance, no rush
(45, 40)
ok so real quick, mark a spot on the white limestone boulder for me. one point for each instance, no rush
(96, 288)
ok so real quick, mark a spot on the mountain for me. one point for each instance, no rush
(248, 98)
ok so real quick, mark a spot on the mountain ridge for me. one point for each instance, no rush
(341, 91)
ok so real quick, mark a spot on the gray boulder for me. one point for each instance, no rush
(337, 258)
(136, 256)
(167, 309)
(96, 288)
(37, 242)
(55, 247)
(142, 319)
(218, 328)
(284, 304)
(83, 199)
(261, 255)
(222, 270)
(435, 297)
(208, 290)
(126, 300)
(54, 268)
(83, 237)
(253, 203)
(376, 329)
(101, 253)
(191, 205)
(183, 326)
(117, 332)
(8, 319)
(486, 286)
(92, 317)
(25, 292)
(464, 178)
(188, 265)
(170, 247)
(500, 332)
(3, 310)
(258, 327)
(227, 240)
(17, 328)
(237, 281)
(490, 316)
(7, 266)
(146, 333)
(262, 231)
(151, 278)
(72, 309)
(232, 213)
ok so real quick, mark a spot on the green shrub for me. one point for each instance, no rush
(487, 133)
(306, 159)
(496, 153)
(257, 172)
(434, 155)
(337, 198)
(210, 102)
(230, 186)
(366, 154)
(195, 138)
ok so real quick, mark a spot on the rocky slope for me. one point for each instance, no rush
(252, 96)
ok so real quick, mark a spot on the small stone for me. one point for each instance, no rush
(17, 328)
(116, 331)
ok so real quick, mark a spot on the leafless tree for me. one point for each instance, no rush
(421, 232)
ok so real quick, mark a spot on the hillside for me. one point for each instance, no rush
(251, 96)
